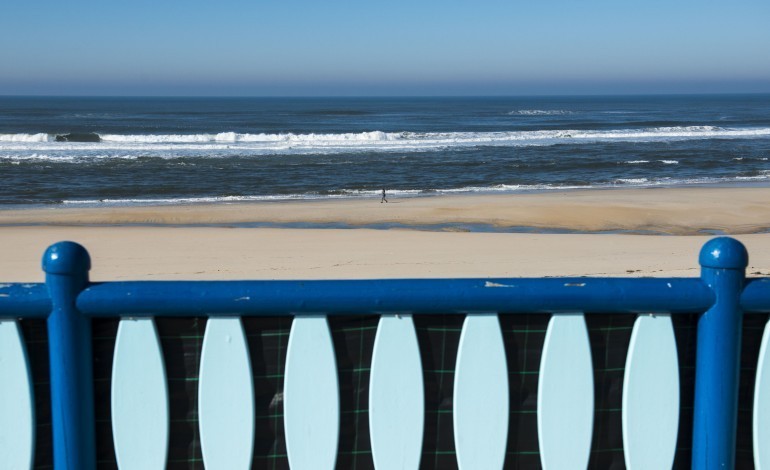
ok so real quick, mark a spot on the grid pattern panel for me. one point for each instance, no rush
(524, 336)
(353, 336)
(36, 340)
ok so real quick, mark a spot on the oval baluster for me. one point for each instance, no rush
(311, 395)
(651, 394)
(17, 404)
(761, 424)
(565, 394)
(226, 396)
(396, 395)
(140, 421)
(481, 398)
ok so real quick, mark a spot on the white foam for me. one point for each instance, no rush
(25, 137)
(360, 193)
(632, 180)
(231, 143)
(540, 112)
(36, 157)
(182, 200)
(636, 162)
(233, 137)
(669, 162)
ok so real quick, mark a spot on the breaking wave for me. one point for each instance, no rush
(25, 137)
(289, 143)
(540, 112)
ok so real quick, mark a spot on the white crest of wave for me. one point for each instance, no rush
(234, 137)
(540, 112)
(362, 193)
(59, 158)
(631, 180)
(40, 137)
(231, 143)
(438, 138)
(39, 157)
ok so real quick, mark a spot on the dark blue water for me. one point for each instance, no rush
(156, 150)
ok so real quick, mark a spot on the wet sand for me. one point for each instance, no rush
(152, 243)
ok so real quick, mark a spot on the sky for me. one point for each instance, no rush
(381, 48)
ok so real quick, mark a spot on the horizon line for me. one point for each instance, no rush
(538, 95)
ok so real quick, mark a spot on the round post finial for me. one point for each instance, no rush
(724, 253)
(66, 258)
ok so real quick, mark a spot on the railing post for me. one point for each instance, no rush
(717, 367)
(66, 265)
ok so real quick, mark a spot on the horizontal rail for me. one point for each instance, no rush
(24, 301)
(755, 297)
(422, 296)
(68, 301)
(254, 298)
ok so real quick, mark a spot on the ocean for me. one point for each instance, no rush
(134, 151)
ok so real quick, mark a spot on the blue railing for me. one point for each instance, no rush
(69, 302)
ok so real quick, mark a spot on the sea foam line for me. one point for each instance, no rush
(229, 143)
(379, 136)
(396, 193)
(540, 112)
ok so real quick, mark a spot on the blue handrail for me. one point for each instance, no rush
(24, 301)
(419, 296)
(755, 296)
(68, 300)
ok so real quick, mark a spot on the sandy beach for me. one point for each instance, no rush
(671, 211)
(160, 243)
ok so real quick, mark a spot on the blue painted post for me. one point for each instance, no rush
(66, 265)
(723, 264)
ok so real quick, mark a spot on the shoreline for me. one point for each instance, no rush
(595, 237)
(653, 211)
(444, 227)
(375, 196)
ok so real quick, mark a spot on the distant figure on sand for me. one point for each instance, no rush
(384, 199)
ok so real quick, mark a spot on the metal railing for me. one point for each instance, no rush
(69, 301)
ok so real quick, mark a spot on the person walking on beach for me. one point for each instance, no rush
(384, 199)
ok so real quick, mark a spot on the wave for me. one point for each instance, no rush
(233, 137)
(643, 162)
(341, 194)
(362, 141)
(58, 158)
(631, 181)
(25, 137)
(78, 137)
(741, 159)
(540, 112)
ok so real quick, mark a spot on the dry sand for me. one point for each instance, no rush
(164, 251)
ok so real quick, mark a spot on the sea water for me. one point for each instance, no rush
(131, 151)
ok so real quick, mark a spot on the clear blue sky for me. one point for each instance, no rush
(373, 47)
